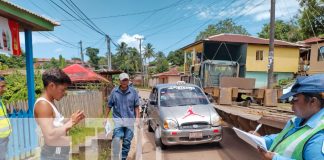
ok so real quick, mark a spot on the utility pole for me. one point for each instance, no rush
(271, 44)
(140, 50)
(81, 52)
(108, 52)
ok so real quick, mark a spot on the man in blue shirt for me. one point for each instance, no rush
(124, 101)
(303, 135)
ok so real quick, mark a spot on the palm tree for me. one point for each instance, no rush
(122, 49)
(148, 51)
(134, 59)
(122, 52)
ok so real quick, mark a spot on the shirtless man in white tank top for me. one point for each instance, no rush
(52, 124)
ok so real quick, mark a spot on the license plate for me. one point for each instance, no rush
(195, 135)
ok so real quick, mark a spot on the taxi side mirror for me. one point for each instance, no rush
(210, 98)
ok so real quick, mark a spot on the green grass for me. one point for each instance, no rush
(79, 134)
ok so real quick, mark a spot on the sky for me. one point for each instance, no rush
(167, 24)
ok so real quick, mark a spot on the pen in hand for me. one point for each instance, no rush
(257, 128)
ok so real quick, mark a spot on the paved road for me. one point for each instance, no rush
(231, 148)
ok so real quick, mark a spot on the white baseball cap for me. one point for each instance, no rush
(123, 76)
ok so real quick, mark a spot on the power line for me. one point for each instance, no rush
(206, 22)
(153, 13)
(194, 14)
(55, 41)
(62, 39)
(315, 16)
(41, 9)
(177, 20)
(93, 24)
(80, 16)
(74, 17)
(80, 11)
(124, 15)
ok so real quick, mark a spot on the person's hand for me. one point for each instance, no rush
(265, 155)
(256, 133)
(76, 117)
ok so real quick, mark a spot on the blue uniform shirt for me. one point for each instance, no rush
(123, 103)
(314, 148)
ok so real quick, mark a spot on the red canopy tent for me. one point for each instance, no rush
(80, 74)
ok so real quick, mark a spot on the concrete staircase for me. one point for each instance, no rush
(95, 148)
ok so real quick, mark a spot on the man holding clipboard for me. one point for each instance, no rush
(303, 135)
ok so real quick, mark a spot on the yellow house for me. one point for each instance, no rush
(315, 55)
(250, 52)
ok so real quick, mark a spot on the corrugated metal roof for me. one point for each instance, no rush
(78, 73)
(171, 72)
(244, 39)
(30, 12)
(239, 38)
(313, 40)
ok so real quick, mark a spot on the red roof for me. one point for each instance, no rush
(78, 73)
(238, 38)
(172, 72)
(313, 40)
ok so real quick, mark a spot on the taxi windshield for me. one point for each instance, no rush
(182, 96)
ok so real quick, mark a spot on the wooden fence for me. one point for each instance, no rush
(90, 102)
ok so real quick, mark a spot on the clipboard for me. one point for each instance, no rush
(251, 139)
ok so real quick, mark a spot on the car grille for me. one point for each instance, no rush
(196, 125)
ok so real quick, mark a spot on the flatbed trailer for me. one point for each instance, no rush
(247, 118)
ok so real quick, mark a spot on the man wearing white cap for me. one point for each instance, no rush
(125, 104)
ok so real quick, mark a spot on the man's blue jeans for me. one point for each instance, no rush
(125, 134)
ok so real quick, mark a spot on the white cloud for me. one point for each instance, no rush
(285, 10)
(58, 50)
(130, 40)
(206, 14)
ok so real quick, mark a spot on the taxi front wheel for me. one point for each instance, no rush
(158, 141)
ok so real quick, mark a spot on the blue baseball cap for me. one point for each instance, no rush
(306, 84)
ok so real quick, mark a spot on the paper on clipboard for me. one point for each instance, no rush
(251, 139)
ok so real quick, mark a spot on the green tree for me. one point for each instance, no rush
(121, 56)
(53, 63)
(76, 58)
(92, 53)
(311, 18)
(287, 31)
(148, 51)
(62, 62)
(102, 61)
(134, 59)
(162, 63)
(13, 61)
(224, 26)
(176, 57)
(17, 87)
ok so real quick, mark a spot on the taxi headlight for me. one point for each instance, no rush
(170, 124)
(216, 120)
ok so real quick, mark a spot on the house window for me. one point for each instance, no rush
(320, 54)
(259, 55)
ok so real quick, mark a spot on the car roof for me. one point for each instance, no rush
(160, 86)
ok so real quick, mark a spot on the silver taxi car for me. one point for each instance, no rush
(181, 114)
